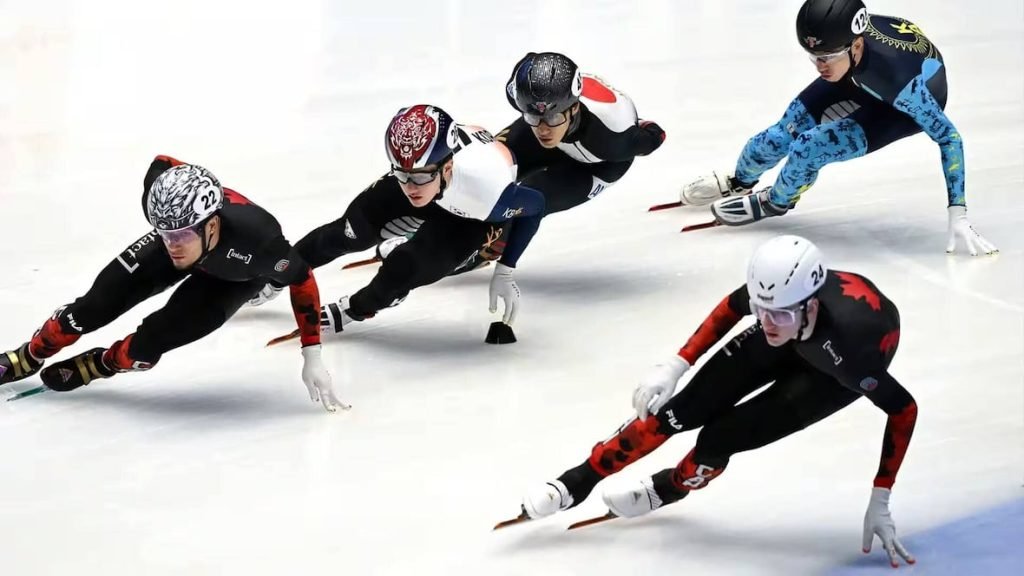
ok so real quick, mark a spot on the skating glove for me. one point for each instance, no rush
(960, 227)
(318, 380)
(878, 522)
(266, 294)
(658, 385)
(503, 286)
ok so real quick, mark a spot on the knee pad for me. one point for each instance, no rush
(693, 474)
(128, 356)
(633, 441)
(775, 138)
(833, 142)
(779, 138)
(62, 329)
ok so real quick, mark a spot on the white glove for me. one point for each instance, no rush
(960, 227)
(266, 294)
(878, 521)
(318, 380)
(658, 385)
(333, 316)
(504, 286)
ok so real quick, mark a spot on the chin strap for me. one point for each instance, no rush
(204, 237)
(849, 56)
(574, 123)
(440, 174)
(803, 322)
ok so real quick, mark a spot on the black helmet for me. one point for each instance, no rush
(544, 84)
(830, 25)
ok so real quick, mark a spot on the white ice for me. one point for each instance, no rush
(216, 462)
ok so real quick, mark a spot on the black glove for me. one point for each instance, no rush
(657, 136)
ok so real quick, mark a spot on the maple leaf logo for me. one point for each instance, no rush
(889, 341)
(855, 287)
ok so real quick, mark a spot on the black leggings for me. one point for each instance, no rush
(882, 124)
(200, 305)
(443, 243)
(564, 182)
(379, 212)
(796, 397)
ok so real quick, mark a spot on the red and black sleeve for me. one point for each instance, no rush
(305, 297)
(896, 401)
(284, 266)
(727, 314)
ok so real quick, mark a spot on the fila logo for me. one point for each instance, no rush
(672, 421)
(72, 323)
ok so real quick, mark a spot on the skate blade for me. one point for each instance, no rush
(657, 207)
(591, 521)
(27, 393)
(359, 263)
(701, 226)
(523, 517)
(290, 336)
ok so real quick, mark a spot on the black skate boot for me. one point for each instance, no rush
(76, 371)
(18, 364)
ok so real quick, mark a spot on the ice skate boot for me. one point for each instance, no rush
(18, 364)
(76, 371)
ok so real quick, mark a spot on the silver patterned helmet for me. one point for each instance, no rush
(184, 196)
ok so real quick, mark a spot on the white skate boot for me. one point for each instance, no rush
(747, 209)
(707, 189)
(633, 501)
(546, 499)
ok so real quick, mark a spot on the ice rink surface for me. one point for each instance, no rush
(216, 462)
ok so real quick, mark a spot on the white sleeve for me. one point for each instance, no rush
(480, 174)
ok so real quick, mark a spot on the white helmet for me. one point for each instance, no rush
(183, 196)
(785, 271)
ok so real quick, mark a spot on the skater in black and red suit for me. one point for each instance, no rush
(222, 249)
(823, 338)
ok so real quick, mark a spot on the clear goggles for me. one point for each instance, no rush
(181, 235)
(776, 316)
(552, 119)
(417, 178)
(827, 58)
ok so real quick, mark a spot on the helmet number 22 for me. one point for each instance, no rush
(208, 199)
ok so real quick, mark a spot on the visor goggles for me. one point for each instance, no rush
(777, 317)
(181, 235)
(418, 178)
(552, 119)
(827, 58)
